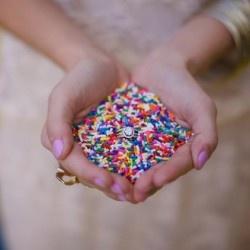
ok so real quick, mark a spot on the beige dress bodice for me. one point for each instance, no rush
(201, 211)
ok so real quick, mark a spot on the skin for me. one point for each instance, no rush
(91, 74)
(172, 67)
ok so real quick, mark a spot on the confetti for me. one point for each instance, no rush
(129, 132)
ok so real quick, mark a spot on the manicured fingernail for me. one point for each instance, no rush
(202, 158)
(57, 148)
(100, 182)
(116, 188)
(121, 198)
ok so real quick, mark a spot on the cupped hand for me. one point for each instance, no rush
(83, 87)
(165, 72)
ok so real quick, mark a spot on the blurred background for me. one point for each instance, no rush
(213, 204)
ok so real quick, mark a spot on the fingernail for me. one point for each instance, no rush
(57, 148)
(116, 189)
(202, 158)
(100, 182)
(121, 198)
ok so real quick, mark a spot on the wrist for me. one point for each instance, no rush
(179, 59)
(200, 43)
(171, 57)
(67, 55)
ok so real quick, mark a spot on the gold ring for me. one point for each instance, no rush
(65, 177)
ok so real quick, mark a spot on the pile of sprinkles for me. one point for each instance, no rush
(129, 132)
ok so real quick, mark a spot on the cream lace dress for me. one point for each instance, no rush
(207, 210)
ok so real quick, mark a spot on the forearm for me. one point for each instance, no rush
(201, 42)
(44, 26)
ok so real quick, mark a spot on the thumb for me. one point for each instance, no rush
(205, 136)
(59, 122)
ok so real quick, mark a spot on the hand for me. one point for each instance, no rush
(165, 72)
(83, 87)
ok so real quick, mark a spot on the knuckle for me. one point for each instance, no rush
(87, 184)
(70, 173)
(82, 177)
(140, 188)
(85, 179)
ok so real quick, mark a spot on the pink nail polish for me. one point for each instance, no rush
(202, 158)
(100, 182)
(57, 148)
(122, 198)
(116, 189)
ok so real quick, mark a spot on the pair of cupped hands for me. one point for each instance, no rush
(164, 72)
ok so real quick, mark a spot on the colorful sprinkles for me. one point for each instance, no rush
(129, 132)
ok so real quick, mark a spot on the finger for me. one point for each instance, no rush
(78, 165)
(144, 185)
(177, 166)
(59, 121)
(115, 197)
(122, 188)
(118, 197)
(205, 137)
(154, 191)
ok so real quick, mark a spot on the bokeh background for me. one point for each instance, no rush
(209, 210)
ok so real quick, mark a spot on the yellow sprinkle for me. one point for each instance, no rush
(136, 150)
(108, 117)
